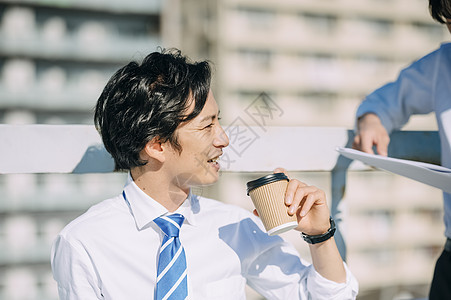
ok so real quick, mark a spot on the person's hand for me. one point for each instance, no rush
(371, 132)
(309, 204)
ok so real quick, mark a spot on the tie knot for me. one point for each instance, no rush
(170, 224)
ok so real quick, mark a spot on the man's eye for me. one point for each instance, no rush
(209, 126)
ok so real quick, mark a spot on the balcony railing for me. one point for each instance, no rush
(78, 149)
(50, 150)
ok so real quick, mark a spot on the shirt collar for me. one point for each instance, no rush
(144, 209)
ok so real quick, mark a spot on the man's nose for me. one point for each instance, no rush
(221, 139)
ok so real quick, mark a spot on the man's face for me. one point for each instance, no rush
(202, 140)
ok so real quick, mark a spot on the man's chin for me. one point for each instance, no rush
(209, 180)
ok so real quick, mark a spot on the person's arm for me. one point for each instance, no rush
(72, 270)
(309, 204)
(326, 278)
(327, 261)
(391, 106)
(279, 273)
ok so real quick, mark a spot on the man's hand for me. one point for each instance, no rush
(371, 132)
(309, 204)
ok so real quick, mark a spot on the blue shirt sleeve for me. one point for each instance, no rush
(411, 93)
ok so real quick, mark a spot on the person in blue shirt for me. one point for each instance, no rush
(421, 88)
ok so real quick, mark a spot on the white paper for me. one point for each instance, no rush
(436, 176)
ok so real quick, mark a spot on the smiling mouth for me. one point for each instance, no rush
(213, 160)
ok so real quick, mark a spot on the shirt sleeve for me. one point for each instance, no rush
(326, 289)
(73, 271)
(411, 93)
(277, 272)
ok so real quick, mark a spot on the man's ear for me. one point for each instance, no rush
(154, 150)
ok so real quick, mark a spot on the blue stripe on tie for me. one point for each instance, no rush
(167, 262)
(178, 292)
(171, 271)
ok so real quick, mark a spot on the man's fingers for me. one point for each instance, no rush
(292, 187)
(382, 145)
(356, 143)
(371, 133)
(366, 144)
(302, 193)
(309, 201)
(281, 170)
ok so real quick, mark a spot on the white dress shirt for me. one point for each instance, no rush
(111, 252)
(421, 88)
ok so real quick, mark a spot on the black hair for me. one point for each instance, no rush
(440, 10)
(149, 100)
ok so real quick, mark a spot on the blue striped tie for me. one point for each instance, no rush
(171, 272)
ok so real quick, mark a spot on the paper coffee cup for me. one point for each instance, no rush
(268, 195)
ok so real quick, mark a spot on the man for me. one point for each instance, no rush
(156, 240)
(421, 88)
